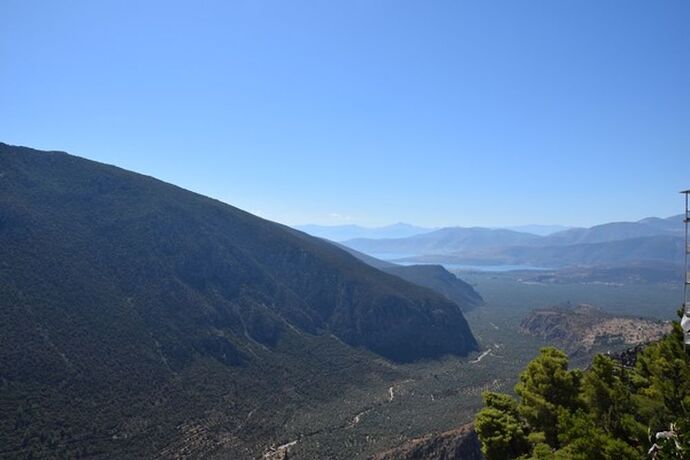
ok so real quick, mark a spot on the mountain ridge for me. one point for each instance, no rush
(432, 276)
(602, 244)
(146, 318)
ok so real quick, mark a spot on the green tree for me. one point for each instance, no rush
(608, 412)
(500, 428)
(663, 379)
(607, 394)
(547, 388)
(584, 438)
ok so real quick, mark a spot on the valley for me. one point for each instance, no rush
(437, 396)
(344, 230)
(144, 319)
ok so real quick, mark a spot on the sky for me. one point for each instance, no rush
(367, 112)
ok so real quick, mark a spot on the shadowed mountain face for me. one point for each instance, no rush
(439, 279)
(112, 281)
(434, 277)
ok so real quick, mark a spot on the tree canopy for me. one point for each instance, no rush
(607, 412)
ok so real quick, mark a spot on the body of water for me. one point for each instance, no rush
(395, 257)
(479, 268)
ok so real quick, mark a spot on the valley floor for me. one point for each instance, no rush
(435, 396)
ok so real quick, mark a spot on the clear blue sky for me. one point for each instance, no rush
(370, 112)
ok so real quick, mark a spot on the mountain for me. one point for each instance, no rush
(634, 251)
(145, 320)
(444, 241)
(537, 229)
(615, 231)
(440, 280)
(434, 277)
(348, 232)
(628, 251)
(342, 233)
(648, 240)
(580, 328)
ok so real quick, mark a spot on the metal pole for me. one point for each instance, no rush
(686, 250)
(685, 320)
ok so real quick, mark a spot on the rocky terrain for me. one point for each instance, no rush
(458, 444)
(582, 327)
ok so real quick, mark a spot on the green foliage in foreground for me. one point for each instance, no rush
(605, 412)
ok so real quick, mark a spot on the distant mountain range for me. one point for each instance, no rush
(650, 239)
(144, 319)
(541, 230)
(348, 232)
(650, 249)
(616, 231)
(445, 241)
(402, 230)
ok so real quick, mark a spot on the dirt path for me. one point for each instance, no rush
(480, 357)
(358, 418)
(280, 452)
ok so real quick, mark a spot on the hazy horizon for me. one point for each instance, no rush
(506, 226)
(440, 113)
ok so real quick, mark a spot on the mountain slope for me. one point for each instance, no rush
(434, 277)
(440, 280)
(148, 302)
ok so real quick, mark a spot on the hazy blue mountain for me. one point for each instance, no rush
(650, 239)
(650, 249)
(664, 248)
(137, 316)
(651, 226)
(444, 241)
(537, 229)
(347, 232)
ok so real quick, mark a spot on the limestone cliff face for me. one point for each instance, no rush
(459, 444)
(578, 329)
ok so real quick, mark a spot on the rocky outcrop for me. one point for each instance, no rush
(459, 444)
(578, 329)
